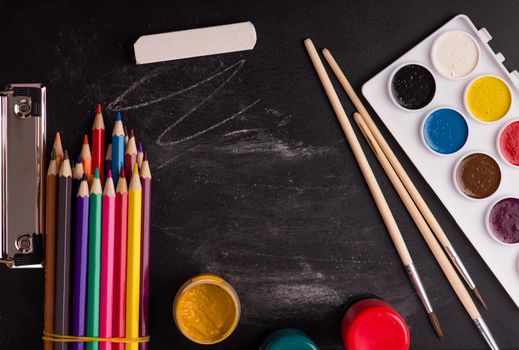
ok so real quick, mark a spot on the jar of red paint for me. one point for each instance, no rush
(372, 324)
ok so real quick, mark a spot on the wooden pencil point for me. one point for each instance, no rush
(58, 148)
(99, 123)
(83, 188)
(65, 169)
(109, 187)
(122, 186)
(96, 186)
(145, 170)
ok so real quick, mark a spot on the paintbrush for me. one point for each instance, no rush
(427, 234)
(378, 196)
(410, 187)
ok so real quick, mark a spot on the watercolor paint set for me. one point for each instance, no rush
(454, 109)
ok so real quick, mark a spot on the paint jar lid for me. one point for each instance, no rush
(288, 339)
(206, 309)
(372, 324)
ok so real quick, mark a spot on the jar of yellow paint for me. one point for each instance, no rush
(206, 309)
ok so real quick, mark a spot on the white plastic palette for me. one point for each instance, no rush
(406, 127)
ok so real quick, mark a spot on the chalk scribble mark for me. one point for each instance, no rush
(115, 104)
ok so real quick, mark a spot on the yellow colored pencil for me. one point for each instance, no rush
(133, 268)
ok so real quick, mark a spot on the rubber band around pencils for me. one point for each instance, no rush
(57, 338)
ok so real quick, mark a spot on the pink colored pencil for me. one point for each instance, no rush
(107, 263)
(121, 235)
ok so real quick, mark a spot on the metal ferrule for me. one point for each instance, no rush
(482, 326)
(459, 266)
(418, 286)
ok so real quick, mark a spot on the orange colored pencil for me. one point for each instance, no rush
(86, 158)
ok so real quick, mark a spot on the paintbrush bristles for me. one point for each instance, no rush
(479, 297)
(436, 325)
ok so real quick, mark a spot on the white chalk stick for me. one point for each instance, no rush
(195, 43)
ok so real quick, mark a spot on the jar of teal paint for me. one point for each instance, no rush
(288, 339)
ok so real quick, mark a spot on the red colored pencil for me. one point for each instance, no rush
(130, 157)
(86, 158)
(121, 233)
(107, 263)
(98, 144)
(145, 175)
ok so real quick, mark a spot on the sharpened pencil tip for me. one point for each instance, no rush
(436, 325)
(96, 175)
(131, 133)
(65, 154)
(480, 298)
(139, 147)
(58, 137)
(84, 177)
(136, 170)
(85, 140)
(78, 159)
(121, 174)
(119, 116)
(145, 157)
(109, 174)
(98, 109)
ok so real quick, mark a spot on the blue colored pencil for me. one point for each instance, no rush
(118, 145)
(79, 298)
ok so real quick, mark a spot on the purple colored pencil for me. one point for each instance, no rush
(79, 298)
(145, 250)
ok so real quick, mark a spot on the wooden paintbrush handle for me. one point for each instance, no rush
(378, 196)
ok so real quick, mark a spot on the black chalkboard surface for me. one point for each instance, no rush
(253, 179)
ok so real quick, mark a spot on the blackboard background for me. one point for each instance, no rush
(253, 179)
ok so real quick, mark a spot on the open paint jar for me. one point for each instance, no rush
(372, 324)
(488, 98)
(288, 339)
(455, 54)
(445, 131)
(412, 87)
(502, 220)
(477, 175)
(508, 143)
(206, 309)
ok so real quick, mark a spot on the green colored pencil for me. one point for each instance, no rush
(94, 261)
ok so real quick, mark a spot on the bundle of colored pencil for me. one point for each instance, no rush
(97, 257)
